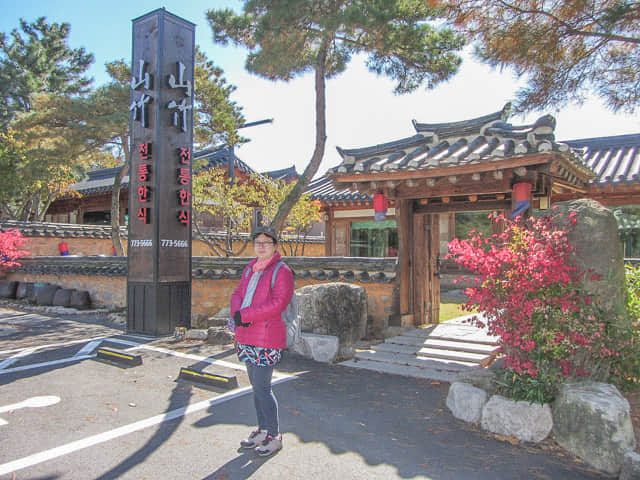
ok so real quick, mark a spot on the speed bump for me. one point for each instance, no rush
(213, 379)
(117, 356)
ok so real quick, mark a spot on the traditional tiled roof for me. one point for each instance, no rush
(101, 181)
(323, 189)
(614, 159)
(347, 269)
(443, 145)
(287, 174)
(219, 157)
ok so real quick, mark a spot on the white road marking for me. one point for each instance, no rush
(52, 345)
(33, 402)
(71, 447)
(11, 360)
(88, 348)
(45, 364)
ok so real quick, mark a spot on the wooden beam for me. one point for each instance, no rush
(488, 187)
(479, 206)
(507, 163)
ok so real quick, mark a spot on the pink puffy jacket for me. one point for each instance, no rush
(267, 329)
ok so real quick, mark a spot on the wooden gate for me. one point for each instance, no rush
(425, 254)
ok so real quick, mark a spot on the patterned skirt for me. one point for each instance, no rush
(262, 357)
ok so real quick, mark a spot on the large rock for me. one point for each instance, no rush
(80, 300)
(479, 377)
(630, 467)
(26, 290)
(321, 348)
(338, 309)
(45, 294)
(593, 421)
(598, 248)
(530, 422)
(8, 289)
(62, 297)
(466, 401)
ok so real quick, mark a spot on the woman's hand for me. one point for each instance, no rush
(237, 319)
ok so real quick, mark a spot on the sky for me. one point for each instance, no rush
(362, 109)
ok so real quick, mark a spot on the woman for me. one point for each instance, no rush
(256, 309)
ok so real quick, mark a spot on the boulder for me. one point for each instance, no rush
(80, 300)
(336, 309)
(478, 377)
(593, 421)
(630, 466)
(321, 348)
(62, 297)
(530, 422)
(196, 334)
(598, 248)
(8, 289)
(466, 401)
(219, 336)
(45, 294)
(25, 290)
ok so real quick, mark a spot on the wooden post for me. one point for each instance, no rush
(405, 233)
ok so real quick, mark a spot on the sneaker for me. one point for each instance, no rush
(270, 445)
(255, 438)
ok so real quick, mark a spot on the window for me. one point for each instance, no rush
(374, 239)
(97, 218)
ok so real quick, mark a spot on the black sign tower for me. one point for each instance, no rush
(161, 108)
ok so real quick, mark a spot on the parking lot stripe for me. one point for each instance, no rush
(71, 447)
(45, 364)
(11, 360)
(88, 348)
(52, 345)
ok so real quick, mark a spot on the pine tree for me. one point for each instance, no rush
(567, 50)
(404, 39)
(37, 59)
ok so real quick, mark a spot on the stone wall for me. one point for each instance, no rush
(214, 279)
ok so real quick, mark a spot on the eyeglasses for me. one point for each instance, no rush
(263, 244)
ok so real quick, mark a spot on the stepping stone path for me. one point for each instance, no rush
(437, 352)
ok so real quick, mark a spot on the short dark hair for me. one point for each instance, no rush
(265, 230)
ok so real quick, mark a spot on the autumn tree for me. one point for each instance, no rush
(566, 50)
(215, 195)
(300, 220)
(404, 39)
(40, 77)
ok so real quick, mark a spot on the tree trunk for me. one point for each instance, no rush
(318, 152)
(116, 240)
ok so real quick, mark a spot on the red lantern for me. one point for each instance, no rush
(63, 248)
(380, 207)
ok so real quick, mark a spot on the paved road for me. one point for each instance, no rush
(143, 423)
